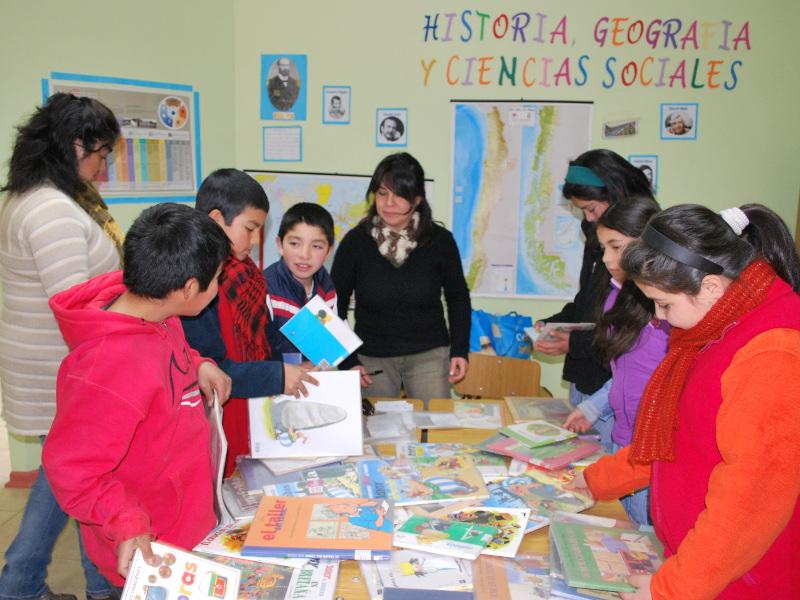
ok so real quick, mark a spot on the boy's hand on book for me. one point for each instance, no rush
(577, 422)
(642, 585)
(555, 343)
(127, 549)
(295, 378)
(212, 379)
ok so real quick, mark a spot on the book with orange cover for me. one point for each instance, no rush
(319, 527)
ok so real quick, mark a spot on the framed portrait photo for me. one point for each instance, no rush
(679, 121)
(648, 163)
(284, 83)
(391, 127)
(336, 104)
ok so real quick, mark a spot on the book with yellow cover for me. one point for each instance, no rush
(319, 527)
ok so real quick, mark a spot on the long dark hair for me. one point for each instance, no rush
(621, 178)
(618, 329)
(402, 174)
(44, 150)
(704, 232)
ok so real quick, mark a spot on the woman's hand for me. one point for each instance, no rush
(458, 369)
(555, 343)
(127, 549)
(294, 379)
(365, 380)
(212, 379)
(642, 585)
(577, 422)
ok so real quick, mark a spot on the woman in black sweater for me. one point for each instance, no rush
(397, 262)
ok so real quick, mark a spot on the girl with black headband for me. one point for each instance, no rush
(718, 431)
(595, 180)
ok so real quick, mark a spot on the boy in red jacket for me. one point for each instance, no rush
(129, 454)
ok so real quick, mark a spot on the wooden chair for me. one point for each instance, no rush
(491, 376)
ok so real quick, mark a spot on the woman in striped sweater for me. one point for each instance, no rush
(55, 231)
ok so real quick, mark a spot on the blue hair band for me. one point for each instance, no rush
(583, 176)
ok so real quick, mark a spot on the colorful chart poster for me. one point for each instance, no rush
(157, 154)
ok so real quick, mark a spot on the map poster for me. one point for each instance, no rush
(156, 157)
(344, 196)
(517, 235)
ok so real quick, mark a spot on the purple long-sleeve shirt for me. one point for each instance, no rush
(631, 371)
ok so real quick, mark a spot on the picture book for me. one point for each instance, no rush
(525, 490)
(317, 527)
(371, 577)
(529, 408)
(261, 581)
(219, 450)
(537, 433)
(550, 456)
(316, 580)
(337, 480)
(510, 524)
(416, 570)
(227, 540)
(526, 577)
(180, 573)
(444, 536)
(478, 415)
(281, 466)
(545, 333)
(421, 480)
(327, 422)
(491, 466)
(603, 558)
(560, 589)
(324, 338)
(239, 502)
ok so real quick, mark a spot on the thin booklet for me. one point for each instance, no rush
(327, 422)
(324, 338)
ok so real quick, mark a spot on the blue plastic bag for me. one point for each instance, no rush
(503, 335)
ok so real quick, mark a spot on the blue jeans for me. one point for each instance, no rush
(637, 504)
(596, 409)
(29, 554)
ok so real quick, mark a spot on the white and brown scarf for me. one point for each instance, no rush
(395, 246)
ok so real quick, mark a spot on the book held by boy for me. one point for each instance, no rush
(180, 573)
(317, 527)
(603, 558)
(327, 422)
(324, 338)
(444, 536)
(537, 433)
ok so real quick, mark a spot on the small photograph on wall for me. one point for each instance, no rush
(336, 104)
(648, 163)
(284, 79)
(679, 121)
(391, 127)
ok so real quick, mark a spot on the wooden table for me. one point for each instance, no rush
(351, 587)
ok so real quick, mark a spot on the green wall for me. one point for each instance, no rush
(747, 144)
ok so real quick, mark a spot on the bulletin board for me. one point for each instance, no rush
(157, 156)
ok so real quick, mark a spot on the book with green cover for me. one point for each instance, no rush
(444, 536)
(537, 433)
(602, 558)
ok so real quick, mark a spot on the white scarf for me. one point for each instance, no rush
(395, 246)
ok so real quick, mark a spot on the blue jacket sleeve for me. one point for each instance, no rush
(251, 379)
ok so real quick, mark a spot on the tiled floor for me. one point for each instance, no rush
(65, 574)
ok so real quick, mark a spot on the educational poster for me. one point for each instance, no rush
(516, 233)
(284, 85)
(157, 154)
(283, 144)
(341, 195)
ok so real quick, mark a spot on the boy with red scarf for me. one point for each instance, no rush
(718, 430)
(233, 328)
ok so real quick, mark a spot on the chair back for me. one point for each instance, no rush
(491, 376)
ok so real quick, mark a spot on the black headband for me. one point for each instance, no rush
(655, 239)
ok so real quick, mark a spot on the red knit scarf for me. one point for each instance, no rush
(657, 419)
(243, 310)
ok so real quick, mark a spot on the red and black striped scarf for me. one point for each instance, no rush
(243, 310)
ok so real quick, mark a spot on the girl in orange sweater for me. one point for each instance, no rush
(718, 431)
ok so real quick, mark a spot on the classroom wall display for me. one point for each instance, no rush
(391, 127)
(517, 234)
(341, 195)
(336, 104)
(157, 156)
(282, 144)
(679, 121)
(284, 84)
(648, 163)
